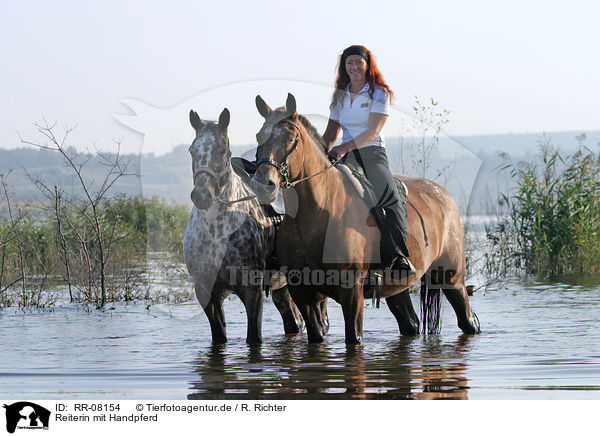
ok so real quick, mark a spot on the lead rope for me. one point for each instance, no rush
(239, 200)
(232, 202)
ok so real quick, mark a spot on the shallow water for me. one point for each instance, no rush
(538, 341)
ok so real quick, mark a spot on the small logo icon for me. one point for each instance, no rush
(25, 415)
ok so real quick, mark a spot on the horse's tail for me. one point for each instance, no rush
(431, 309)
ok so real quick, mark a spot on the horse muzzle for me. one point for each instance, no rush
(265, 192)
(201, 197)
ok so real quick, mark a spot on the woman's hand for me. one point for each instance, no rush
(336, 153)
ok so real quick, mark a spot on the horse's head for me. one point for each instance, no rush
(278, 162)
(210, 159)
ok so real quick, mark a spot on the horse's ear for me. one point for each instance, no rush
(224, 120)
(263, 108)
(195, 120)
(290, 105)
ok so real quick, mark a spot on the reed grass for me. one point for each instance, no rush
(551, 225)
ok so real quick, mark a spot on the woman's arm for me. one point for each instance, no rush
(331, 133)
(376, 123)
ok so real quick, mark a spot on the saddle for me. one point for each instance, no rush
(356, 175)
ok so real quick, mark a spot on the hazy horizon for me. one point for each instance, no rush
(515, 67)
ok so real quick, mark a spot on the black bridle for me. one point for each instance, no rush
(283, 167)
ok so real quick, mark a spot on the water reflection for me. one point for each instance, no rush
(404, 368)
(539, 342)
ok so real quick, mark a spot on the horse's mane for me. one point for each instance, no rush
(314, 135)
(327, 188)
(312, 131)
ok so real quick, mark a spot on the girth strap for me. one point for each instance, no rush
(422, 222)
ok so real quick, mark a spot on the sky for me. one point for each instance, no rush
(499, 67)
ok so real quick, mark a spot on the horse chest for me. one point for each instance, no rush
(298, 243)
(213, 242)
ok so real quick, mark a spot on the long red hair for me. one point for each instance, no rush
(374, 77)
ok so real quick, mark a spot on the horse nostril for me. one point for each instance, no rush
(263, 186)
(201, 197)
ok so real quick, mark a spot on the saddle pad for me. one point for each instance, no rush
(361, 184)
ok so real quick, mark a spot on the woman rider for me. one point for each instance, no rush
(360, 107)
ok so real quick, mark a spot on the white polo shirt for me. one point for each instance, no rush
(354, 116)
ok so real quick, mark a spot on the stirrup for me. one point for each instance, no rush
(404, 265)
(377, 290)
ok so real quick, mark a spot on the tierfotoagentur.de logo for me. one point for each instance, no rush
(25, 415)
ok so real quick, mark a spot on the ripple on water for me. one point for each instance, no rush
(538, 341)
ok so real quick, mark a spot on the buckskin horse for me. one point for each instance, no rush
(229, 239)
(327, 226)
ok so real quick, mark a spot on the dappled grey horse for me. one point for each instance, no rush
(228, 243)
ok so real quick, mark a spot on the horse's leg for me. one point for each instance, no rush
(292, 319)
(402, 308)
(252, 298)
(324, 316)
(310, 310)
(459, 300)
(312, 320)
(319, 307)
(216, 317)
(352, 301)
